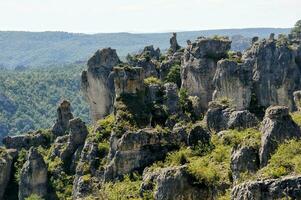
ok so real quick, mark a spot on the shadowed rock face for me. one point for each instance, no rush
(221, 117)
(277, 126)
(33, 178)
(283, 188)
(97, 85)
(6, 161)
(63, 116)
(174, 46)
(199, 66)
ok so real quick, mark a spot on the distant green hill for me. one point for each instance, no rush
(48, 48)
(29, 98)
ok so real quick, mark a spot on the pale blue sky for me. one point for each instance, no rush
(94, 16)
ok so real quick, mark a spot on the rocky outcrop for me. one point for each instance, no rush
(244, 160)
(174, 46)
(38, 138)
(33, 177)
(136, 150)
(174, 183)
(221, 117)
(97, 85)
(64, 114)
(88, 165)
(68, 148)
(283, 188)
(297, 99)
(233, 81)
(277, 127)
(199, 66)
(171, 98)
(128, 80)
(275, 72)
(6, 160)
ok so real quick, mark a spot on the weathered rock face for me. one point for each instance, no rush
(136, 150)
(97, 85)
(128, 80)
(297, 99)
(151, 52)
(244, 159)
(26, 141)
(76, 138)
(277, 126)
(233, 81)
(275, 72)
(174, 46)
(171, 98)
(221, 117)
(33, 178)
(6, 160)
(174, 183)
(284, 188)
(88, 165)
(199, 66)
(63, 116)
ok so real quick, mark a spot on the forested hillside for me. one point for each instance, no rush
(48, 48)
(28, 99)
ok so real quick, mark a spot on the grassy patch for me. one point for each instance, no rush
(126, 189)
(296, 116)
(152, 80)
(286, 161)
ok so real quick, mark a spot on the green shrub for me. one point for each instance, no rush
(285, 161)
(174, 75)
(105, 127)
(34, 197)
(248, 137)
(126, 189)
(19, 163)
(152, 80)
(296, 116)
(179, 157)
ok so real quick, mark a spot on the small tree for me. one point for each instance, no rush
(296, 31)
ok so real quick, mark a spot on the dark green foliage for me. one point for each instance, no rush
(174, 75)
(296, 31)
(132, 108)
(36, 94)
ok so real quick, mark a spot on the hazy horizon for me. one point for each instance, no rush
(141, 16)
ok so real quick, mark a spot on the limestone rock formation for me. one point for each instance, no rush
(174, 46)
(233, 81)
(128, 80)
(198, 135)
(33, 178)
(275, 72)
(199, 66)
(174, 183)
(277, 126)
(221, 117)
(171, 98)
(26, 141)
(6, 161)
(63, 116)
(244, 159)
(283, 188)
(97, 85)
(136, 150)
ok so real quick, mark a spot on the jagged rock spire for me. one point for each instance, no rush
(63, 116)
